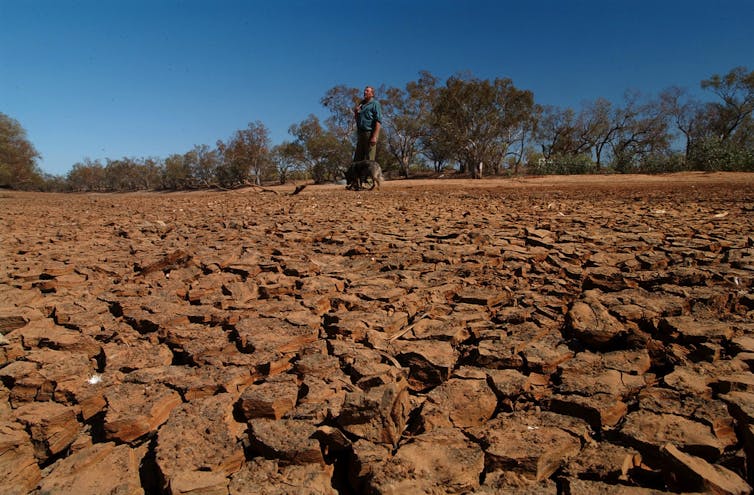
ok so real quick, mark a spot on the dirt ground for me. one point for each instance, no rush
(564, 335)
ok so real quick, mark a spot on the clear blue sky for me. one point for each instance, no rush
(147, 78)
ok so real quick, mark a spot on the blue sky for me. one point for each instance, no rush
(148, 78)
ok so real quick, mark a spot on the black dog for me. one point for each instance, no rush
(360, 171)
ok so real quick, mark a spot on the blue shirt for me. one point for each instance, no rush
(370, 113)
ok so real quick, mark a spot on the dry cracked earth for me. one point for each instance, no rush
(589, 335)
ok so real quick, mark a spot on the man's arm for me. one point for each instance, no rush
(375, 132)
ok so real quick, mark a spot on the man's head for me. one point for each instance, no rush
(368, 93)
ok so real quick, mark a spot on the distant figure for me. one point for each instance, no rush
(368, 115)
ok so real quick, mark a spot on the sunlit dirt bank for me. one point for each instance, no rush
(549, 335)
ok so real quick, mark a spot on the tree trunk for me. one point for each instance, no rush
(404, 167)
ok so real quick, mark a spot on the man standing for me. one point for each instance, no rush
(368, 116)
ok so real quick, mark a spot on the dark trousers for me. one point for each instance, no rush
(364, 149)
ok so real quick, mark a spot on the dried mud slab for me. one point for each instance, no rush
(562, 335)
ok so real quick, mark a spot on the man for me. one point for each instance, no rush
(368, 116)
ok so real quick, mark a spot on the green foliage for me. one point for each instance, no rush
(131, 174)
(407, 114)
(53, 183)
(340, 101)
(478, 120)
(86, 176)
(18, 158)
(288, 160)
(245, 155)
(203, 163)
(663, 163)
(561, 165)
(716, 155)
(322, 151)
(176, 173)
(734, 110)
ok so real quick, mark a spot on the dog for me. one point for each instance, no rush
(359, 172)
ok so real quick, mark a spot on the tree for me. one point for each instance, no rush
(435, 150)
(407, 116)
(640, 130)
(479, 119)
(519, 122)
(246, 154)
(125, 174)
(465, 117)
(322, 151)
(736, 90)
(150, 172)
(18, 157)
(625, 136)
(86, 176)
(555, 131)
(340, 101)
(288, 158)
(54, 183)
(564, 133)
(176, 173)
(594, 129)
(722, 134)
(685, 114)
(203, 163)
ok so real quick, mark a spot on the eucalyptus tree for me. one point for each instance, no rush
(640, 129)
(288, 158)
(726, 137)
(600, 133)
(245, 155)
(407, 113)
(18, 157)
(322, 151)
(594, 130)
(436, 151)
(340, 102)
(478, 119)
(519, 122)
(717, 134)
(88, 175)
(122, 174)
(556, 131)
(203, 163)
(563, 132)
(734, 110)
(464, 117)
(149, 172)
(176, 172)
